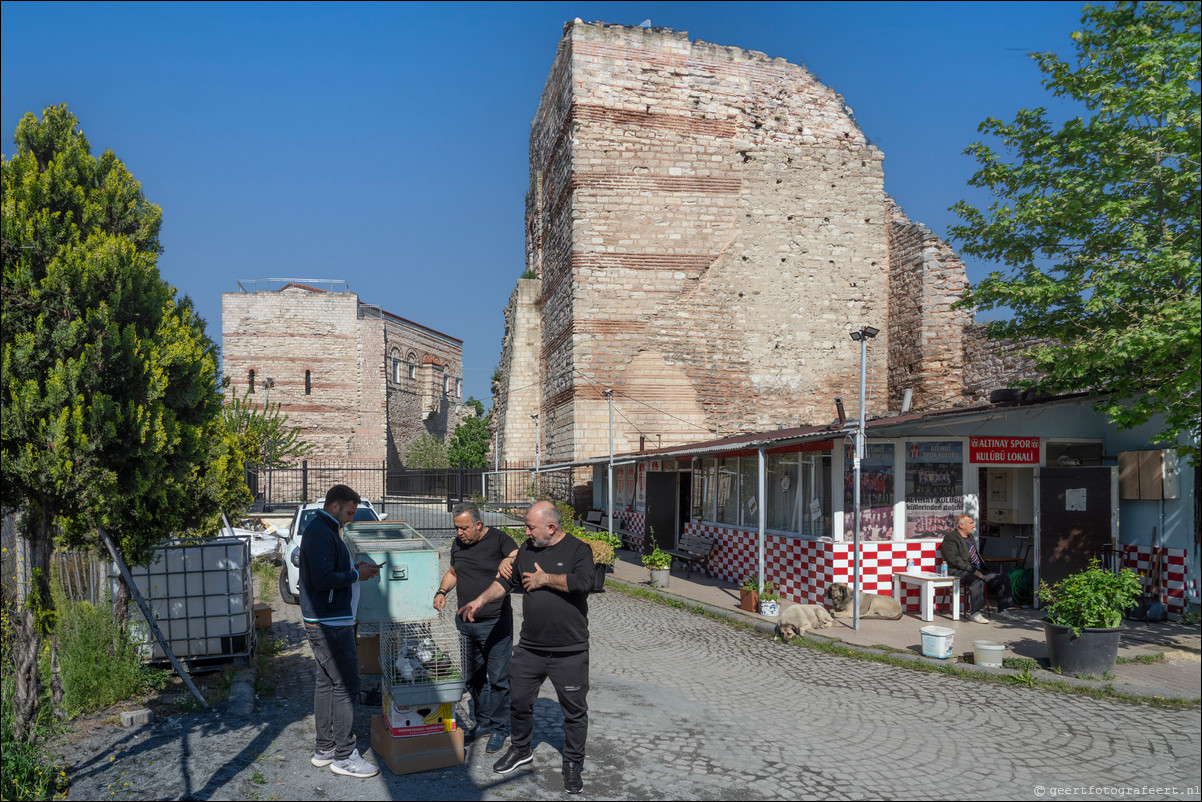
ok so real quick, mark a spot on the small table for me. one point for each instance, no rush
(927, 582)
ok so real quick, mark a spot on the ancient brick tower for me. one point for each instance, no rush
(707, 224)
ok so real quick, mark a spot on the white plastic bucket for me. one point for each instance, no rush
(987, 653)
(937, 641)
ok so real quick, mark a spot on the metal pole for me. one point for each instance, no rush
(859, 456)
(609, 480)
(763, 514)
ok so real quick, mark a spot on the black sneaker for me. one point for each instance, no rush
(571, 777)
(516, 756)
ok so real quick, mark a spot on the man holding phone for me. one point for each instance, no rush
(329, 598)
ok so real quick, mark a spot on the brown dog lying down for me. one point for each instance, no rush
(871, 605)
(800, 619)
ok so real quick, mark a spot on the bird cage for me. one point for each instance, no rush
(422, 662)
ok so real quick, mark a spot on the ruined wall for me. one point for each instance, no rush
(284, 333)
(355, 409)
(517, 394)
(709, 224)
(926, 336)
(991, 365)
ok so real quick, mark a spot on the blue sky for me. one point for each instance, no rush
(386, 144)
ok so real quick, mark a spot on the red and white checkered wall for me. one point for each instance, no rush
(804, 568)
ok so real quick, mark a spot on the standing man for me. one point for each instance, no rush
(964, 560)
(476, 556)
(329, 597)
(556, 572)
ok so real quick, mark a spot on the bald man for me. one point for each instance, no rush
(556, 572)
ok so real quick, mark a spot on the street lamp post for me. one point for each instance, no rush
(862, 336)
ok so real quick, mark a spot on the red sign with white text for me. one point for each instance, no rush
(1004, 450)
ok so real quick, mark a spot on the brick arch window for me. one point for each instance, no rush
(250, 378)
(395, 363)
(412, 365)
(308, 382)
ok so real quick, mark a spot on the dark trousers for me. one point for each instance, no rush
(489, 647)
(335, 687)
(998, 584)
(568, 672)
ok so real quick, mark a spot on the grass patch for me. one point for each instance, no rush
(1143, 659)
(266, 577)
(1020, 663)
(838, 648)
(268, 649)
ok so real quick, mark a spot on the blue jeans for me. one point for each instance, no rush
(489, 647)
(335, 687)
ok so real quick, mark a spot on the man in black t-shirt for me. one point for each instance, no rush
(556, 572)
(476, 554)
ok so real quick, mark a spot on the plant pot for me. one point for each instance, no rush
(1094, 653)
(769, 607)
(659, 577)
(749, 600)
(599, 578)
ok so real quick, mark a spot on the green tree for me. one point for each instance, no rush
(1097, 220)
(427, 452)
(262, 431)
(110, 412)
(469, 443)
(476, 404)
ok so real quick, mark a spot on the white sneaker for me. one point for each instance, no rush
(978, 618)
(354, 766)
(321, 758)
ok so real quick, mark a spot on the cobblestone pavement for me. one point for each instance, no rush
(686, 707)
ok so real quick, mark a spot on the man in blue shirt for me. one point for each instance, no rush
(329, 596)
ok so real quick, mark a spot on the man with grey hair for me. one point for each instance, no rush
(959, 550)
(556, 572)
(476, 556)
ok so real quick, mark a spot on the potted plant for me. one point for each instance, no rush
(1083, 616)
(769, 600)
(749, 593)
(660, 564)
(603, 560)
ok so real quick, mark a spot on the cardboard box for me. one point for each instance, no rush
(418, 753)
(404, 722)
(262, 615)
(369, 654)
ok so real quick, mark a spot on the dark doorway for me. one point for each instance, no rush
(685, 506)
(661, 510)
(1075, 515)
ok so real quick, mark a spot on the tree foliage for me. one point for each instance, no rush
(262, 431)
(427, 452)
(469, 443)
(1097, 219)
(110, 413)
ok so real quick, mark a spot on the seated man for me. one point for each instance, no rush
(963, 560)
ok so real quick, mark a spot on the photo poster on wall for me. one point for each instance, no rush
(934, 487)
(876, 491)
(642, 498)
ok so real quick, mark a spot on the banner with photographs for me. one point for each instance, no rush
(934, 487)
(876, 492)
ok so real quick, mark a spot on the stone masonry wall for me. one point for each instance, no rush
(991, 365)
(284, 333)
(517, 396)
(926, 336)
(354, 410)
(709, 225)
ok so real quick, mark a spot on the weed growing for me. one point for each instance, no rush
(26, 772)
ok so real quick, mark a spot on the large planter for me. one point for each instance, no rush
(749, 600)
(659, 577)
(1093, 653)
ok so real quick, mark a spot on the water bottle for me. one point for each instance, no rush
(909, 566)
(943, 569)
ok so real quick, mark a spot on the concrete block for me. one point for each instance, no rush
(136, 718)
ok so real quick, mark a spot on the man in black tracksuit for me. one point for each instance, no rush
(556, 572)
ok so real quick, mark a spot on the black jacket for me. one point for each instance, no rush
(955, 554)
(326, 573)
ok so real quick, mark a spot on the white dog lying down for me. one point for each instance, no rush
(799, 619)
(871, 605)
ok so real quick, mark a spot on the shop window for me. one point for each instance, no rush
(876, 491)
(412, 365)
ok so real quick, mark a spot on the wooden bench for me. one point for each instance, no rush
(693, 551)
